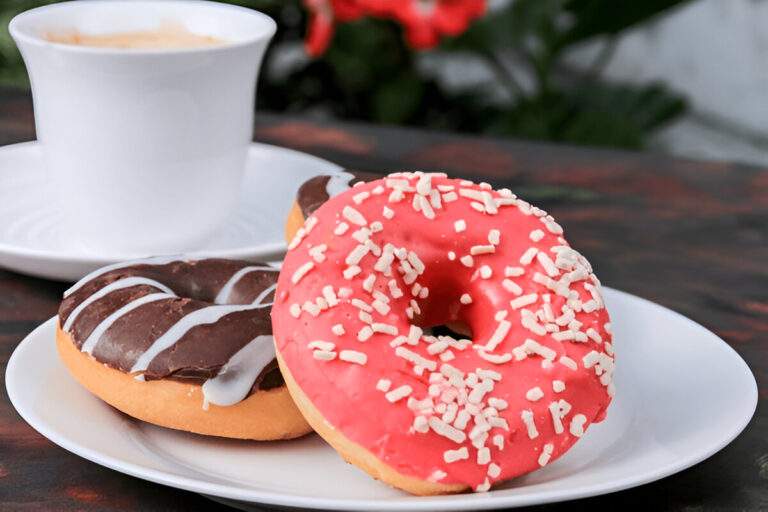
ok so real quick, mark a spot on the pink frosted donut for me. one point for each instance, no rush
(377, 265)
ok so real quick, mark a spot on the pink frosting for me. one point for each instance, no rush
(537, 372)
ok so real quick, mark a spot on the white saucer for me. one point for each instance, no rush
(31, 241)
(682, 395)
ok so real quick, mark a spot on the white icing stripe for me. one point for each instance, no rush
(226, 290)
(235, 379)
(157, 260)
(105, 324)
(338, 183)
(117, 285)
(263, 295)
(207, 315)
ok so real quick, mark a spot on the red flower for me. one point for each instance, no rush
(322, 21)
(425, 21)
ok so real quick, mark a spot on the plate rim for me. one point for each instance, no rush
(449, 503)
(99, 259)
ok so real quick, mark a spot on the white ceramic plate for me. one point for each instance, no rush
(32, 241)
(682, 395)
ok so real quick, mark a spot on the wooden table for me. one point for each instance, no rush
(691, 236)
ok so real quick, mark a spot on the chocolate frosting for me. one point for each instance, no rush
(202, 350)
(319, 189)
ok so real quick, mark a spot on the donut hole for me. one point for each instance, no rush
(456, 329)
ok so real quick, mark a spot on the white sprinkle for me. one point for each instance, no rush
(365, 317)
(532, 347)
(482, 249)
(534, 394)
(321, 345)
(317, 252)
(414, 334)
(388, 212)
(396, 196)
(552, 226)
(345, 292)
(445, 188)
(608, 328)
(323, 355)
(498, 422)
(451, 255)
(609, 349)
(450, 456)
(415, 358)
(524, 300)
(548, 264)
(498, 441)
(420, 424)
(450, 197)
(398, 393)
(394, 290)
(489, 203)
(369, 282)
(383, 385)
(378, 190)
(498, 335)
(495, 358)
(529, 424)
(513, 271)
(330, 296)
(302, 271)
(486, 272)
(483, 456)
(362, 305)
(381, 307)
(384, 328)
(362, 235)
(594, 335)
(483, 487)
(558, 386)
(477, 206)
(511, 286)
(365, 333)
(577, 425)
(351, 271)
(295, 310)
(353, 356)
(416, 263)
(424, 185)
(546, 454)
(446, 430)
(471, 193)
(568, 362)
(465, 299)
(528, 256)
(497, 403)
(425, 207)
(434, 199)
(341, 228)
(536, 235)
(376, 227)
(528, 320)
(357, 254)
(564, 335)
(494, 470)
(447, 355)
(467, 261)
(311, 308)
(460, 225)
(362, 196)
(354, 216)
(494, 236)
(338, 330)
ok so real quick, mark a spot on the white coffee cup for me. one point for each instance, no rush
(146, 147)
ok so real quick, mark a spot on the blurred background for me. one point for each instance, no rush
(687, 78)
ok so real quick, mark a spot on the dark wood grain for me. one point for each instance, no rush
(691, 236)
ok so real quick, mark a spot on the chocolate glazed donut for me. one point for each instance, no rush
(316, 191)
(181, 344)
